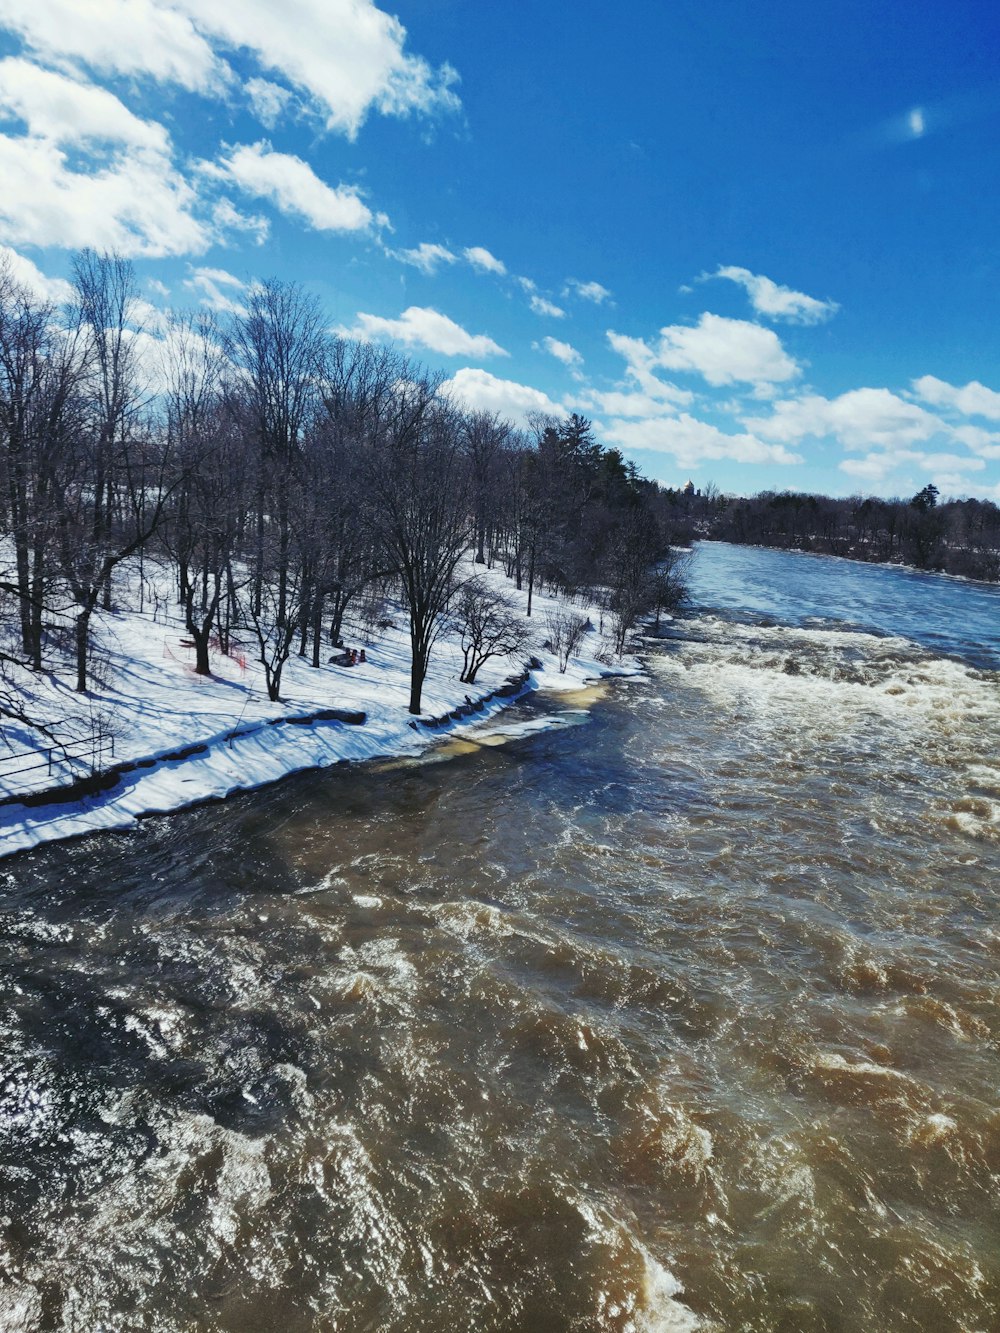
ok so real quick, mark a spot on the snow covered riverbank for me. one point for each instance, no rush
(185, 738)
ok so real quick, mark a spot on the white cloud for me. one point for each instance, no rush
(293, 187)
(127, 197)
(227, 217)
(478, 390)
(144, 316)
(859, 419)
(587, 291)
(426, 256)
(616, 403)
(61, 109)
(420, 326)
(543, 307)
(915, 121)
(691, 441)
(563, 352)
(135, 203)
(28, 274)
(482, 260)
(640, 360)
(118, 37)
(723, 351)
(972, 399)
(984, 443)
(268, 100)
(346, 56)
(777, 302)
(876, 467)
(208, 284)
(954, 486)
(222, 277)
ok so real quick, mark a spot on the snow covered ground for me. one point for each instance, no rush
(148, 699)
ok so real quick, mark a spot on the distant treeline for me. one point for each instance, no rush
(956, 537)
(286, 476)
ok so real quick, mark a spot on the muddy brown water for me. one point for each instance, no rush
(671, 1006)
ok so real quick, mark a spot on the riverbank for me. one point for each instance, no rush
(153, 736)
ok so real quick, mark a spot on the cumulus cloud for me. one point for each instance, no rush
(127, 196)
(776, 302)
(294, 188)
(481, 259)
(722, 351)
(478, 390)
(65, 111)
(29, 275)
(985, 443)
(692, 441)
(80, 168)
(876, 467)
(119, 37)
(640, 361)
(420, 326)
(972, 399)
(563, 352)
(543, 307)
(346, 57)
(666, 400)
(135, 203)
(859, 418)
(586, 291)
(427, 256)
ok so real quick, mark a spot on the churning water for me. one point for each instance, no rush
(682, 1013)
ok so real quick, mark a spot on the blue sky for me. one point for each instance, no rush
(756, 244)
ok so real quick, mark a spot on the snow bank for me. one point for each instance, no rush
(152, 703)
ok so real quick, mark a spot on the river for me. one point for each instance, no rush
(671, 1006)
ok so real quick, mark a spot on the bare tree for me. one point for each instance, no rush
(111, 480)
(272, 625)
(277, 346)
(420, 514)
(489, 625)
(484, 435)
(107, 305)
(40, 372)
(566, 630)
(206, 518)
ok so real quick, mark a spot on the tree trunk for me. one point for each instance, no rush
(19, 521)
(418, 670)
(283, 547)
(37, 591)
(201, 662)
(305, 614)
(317, 626)
(82, 644)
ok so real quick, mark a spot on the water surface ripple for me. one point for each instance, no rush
(682, 1014)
